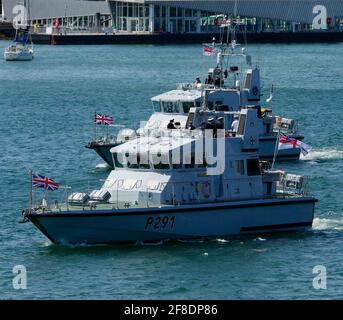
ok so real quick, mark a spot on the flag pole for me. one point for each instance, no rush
(94, 125)
(30, 194)
(276, 148)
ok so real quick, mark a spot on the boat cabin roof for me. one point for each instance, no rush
(178, 95)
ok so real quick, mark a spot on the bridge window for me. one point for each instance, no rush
(117, 160)
(160, 160)
(161, 166)
(170, 106)
(177, 160)
(156, 106)
(140, 162)
(187, 106)
(143, 161)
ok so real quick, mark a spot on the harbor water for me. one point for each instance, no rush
(47, 109)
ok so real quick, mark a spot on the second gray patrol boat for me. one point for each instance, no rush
(232, 85)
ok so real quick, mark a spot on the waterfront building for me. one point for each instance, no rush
(177, 16)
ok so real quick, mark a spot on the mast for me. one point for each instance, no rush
(65, 16)
(28, 18)
(30, 193)
(234, 18)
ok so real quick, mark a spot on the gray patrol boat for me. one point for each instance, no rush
(182, 184)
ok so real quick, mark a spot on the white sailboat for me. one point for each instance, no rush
(19, 50)
(22, 47)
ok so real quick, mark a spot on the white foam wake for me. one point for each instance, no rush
(102, 166)
(323, 154)
(328, 224)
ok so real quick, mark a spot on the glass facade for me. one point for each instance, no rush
(131, 17)
(140, 17)
(176, 20)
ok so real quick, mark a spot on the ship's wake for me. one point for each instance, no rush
(102, 166)
(323, 155)
(324, 224)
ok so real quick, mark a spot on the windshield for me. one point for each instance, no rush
(170, 106)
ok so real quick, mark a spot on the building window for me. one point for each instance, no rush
(157, 11)
(130, 14)
(172, 12)
(188, 12)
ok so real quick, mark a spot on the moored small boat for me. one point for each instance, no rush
(18, 53)
(22, 47)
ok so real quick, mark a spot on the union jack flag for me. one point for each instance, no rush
(103, 119)
(39, 181)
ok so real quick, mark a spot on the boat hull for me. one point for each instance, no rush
(175, 222)
(103, 150)
(18, 56)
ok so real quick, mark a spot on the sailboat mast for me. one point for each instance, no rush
(235, 17)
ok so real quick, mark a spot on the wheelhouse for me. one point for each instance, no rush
(177, 101)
